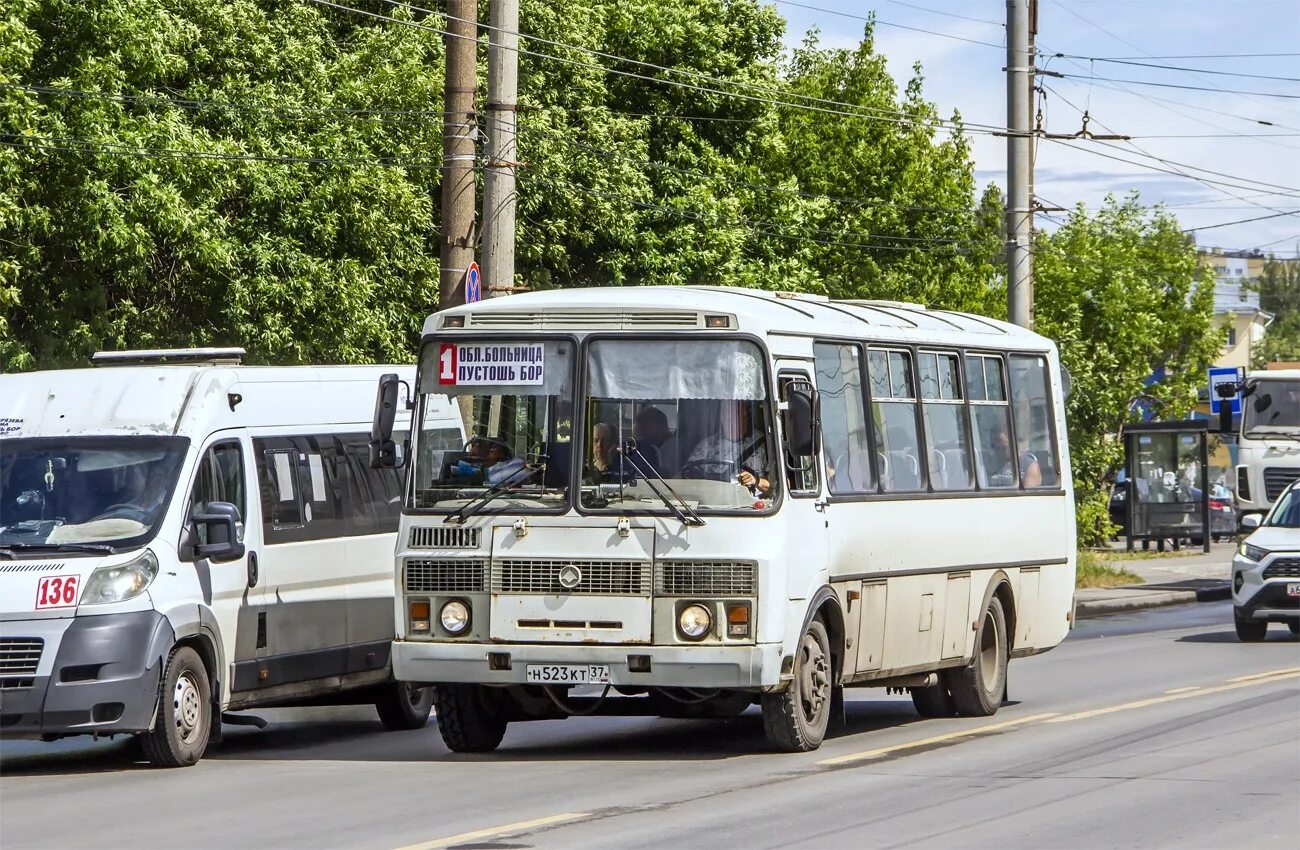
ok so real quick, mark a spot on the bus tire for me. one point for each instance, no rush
(1249, 631)
(184, 720)
(468, 718)
(795, 719)
(933, 701)
(402, 707)
(977, 688)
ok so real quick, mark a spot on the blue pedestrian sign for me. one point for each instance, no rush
(473, 284)
(1225, 375)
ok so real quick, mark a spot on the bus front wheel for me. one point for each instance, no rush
(795, 719)
(469, 717)
(978, 687)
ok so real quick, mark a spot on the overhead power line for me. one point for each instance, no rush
(882, 23)
(1164, 67)
(74, 145)
(1181, 86)
(1197, 55)
(1240, 221)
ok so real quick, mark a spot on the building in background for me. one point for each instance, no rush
(1236, 304)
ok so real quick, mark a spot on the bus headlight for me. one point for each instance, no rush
(121, 582)
(455, 617)
(694, 622)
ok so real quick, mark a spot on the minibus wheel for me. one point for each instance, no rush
(184, 720)
(469, 717)
(977, 688)
(403, 707)
(795, 719)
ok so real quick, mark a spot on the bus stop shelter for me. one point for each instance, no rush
(1167, 464)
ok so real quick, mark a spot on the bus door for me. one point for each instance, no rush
(805, 510)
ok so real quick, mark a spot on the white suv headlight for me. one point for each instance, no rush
(122, 582)
(1252, 553)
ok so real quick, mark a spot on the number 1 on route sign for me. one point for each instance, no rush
(473, 284)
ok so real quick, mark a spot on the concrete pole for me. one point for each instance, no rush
(459, 131)
(499, 193)
(1020, 264)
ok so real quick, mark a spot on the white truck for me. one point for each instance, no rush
(182, 536)
(1268, 446)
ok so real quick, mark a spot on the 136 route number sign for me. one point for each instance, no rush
(57, 591)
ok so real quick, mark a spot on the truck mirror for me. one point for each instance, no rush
(383, 451)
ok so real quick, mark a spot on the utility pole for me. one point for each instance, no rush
(459, 130)
(499, 181)
(1020, 221)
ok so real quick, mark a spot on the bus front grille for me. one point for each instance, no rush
(444, 537)
(543, 575)
(422, 575)
(1277, 479)
(706, 578)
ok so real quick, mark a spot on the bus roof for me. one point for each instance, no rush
(665, 308)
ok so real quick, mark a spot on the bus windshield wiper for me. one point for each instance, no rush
(473, 506)
(685, 515)
(95, 548)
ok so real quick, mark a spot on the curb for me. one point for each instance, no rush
(1156, 597)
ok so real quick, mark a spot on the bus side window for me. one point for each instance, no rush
(843, 416)
(281, 490)
(893, 414)
(1031, 410)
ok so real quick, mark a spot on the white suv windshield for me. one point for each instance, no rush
(80, 491)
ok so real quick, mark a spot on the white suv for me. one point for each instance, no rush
(1266, 570)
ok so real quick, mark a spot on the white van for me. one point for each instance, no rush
(182, 536)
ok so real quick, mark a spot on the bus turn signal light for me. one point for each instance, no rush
(737, 621)
(419, 615)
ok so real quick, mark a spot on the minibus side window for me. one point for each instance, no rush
(1031, 409)
(990, 421)
(893, 414)
(219, 478)
(283, 491)
(945, 421)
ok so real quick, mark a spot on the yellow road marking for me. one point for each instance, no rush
(1183, 690)
(1284, 670)
(937, 739)
(1143, 703)
(494, 831)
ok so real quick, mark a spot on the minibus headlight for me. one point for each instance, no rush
(1252, 553)
(454, 617)
(694, 621)
(122, 582)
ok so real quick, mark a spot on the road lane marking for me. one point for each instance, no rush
(1199, 692)
(496, 831)
(1183, 690)
(937, 739)
(1253, 676)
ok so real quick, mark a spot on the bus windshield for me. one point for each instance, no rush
(85, 491)
(516, 400)
(677, 420)
(1273, 409)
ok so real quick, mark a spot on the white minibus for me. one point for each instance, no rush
(182, 536)
(696, 499)
(1268, 446)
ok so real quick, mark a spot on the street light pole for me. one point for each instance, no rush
(1020, 222)
(459, 131)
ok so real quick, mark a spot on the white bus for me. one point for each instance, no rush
(181, 536)
(698, 499)
(1268, 446)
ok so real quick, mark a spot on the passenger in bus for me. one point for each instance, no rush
(737, 448)
(656, 441)
(606, 463)
(1031, 474)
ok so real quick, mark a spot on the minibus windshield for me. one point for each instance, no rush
(515, 398)
(78, 492)
(690, 413)
(1273, 409)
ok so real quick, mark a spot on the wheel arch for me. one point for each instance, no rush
(825, 604)
(198, 629)
(1000, 586)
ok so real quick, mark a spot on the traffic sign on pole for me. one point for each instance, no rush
(1225, 375)
(473, 285)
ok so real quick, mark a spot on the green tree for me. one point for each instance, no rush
(1122, 294)
(1279, 294)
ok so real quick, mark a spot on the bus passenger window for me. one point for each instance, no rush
(990, 422)
(893, 413)
(1032, 409)
(843, 419)
(945, 421)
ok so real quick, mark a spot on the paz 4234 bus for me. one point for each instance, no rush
(686, 501)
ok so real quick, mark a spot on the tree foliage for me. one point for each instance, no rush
(1279, 294)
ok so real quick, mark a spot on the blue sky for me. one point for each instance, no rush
(1214, 128)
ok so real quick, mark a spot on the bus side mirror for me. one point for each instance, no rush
(383, 451)
(221, 519)
(801, 421)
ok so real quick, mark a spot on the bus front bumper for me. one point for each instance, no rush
(428, 662)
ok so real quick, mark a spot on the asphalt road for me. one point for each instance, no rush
(1145, 730)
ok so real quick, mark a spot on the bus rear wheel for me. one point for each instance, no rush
(469, 718)
(795, 719)
(978, 687)
(933, 700)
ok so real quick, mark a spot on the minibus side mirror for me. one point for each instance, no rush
(383, 451)
(801, 420)
(1250, 521)
(221, 519)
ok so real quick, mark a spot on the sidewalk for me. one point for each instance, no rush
(1177, 578)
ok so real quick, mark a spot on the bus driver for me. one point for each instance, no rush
(738, 447)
